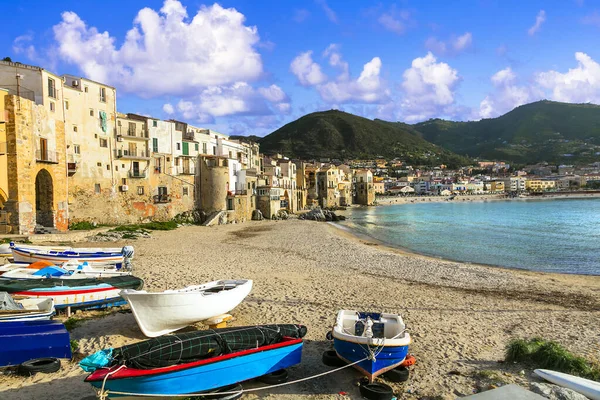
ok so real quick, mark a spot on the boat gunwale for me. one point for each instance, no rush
(198, 289)
(126, 372)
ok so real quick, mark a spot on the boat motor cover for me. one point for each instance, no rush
(8, 303)
(188, 347)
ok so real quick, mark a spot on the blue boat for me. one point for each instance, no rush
(28, 340)
(121, 257)
(379, 337)
(193, 368)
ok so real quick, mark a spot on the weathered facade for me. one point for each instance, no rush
(364, 190)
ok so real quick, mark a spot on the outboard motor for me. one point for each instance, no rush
(127, 252)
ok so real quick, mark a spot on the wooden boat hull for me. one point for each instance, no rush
(201, 375)
(31, 254)
(154, 311)
(33, 339)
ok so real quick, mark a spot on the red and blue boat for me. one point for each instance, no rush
(28, 340)
(195, 362)
(378, 340)
(57, 255)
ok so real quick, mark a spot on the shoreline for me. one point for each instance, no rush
(398, 200)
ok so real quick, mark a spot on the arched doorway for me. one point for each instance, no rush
(44, 199)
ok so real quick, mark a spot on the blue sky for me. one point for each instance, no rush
(248, 67)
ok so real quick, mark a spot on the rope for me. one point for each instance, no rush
(103, 395)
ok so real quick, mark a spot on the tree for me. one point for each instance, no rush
(7, 59)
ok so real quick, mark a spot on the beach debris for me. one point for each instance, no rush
(113, 236)
(257, 215)
(554, 392)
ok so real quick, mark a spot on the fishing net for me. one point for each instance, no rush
(193, 346)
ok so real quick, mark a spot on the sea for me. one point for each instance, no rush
(557, 235)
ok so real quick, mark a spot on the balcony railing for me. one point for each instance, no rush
(134, 133)
(142, 154)
(46, 156)
(3, 148)
(188, 136)
(136, 174)
(239, 192)
(161, 198)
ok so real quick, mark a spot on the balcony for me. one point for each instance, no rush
(251, 172)
(161, 198)
(238, 193)
(132, 154)
(46, 156)
(141, 134)
(136, 174)
(188, 136)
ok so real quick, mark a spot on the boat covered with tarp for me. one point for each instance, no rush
(194, 362)
(78, 293)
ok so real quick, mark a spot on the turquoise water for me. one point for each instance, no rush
(560, 235)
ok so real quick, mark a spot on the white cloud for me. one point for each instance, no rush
(165, 52)
(23, 45)
(335, 60)
(539, 20)
(306, 70)
(368, 88)
(578, 85)
(507, 95)
(331, 15)
(453, 46)
(428, 88)
(168, 108)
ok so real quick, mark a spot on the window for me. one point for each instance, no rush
(52, 107)
(230, 204)
(51, 88)
(168, 159)
(91, 112)
(230, 154)
(123, 181)
(116, 167)
(155, 144)
(186, 149)
(97, 188)
(122, 165)
(85, 89)
(103, 95)
(74, 128)
(178, 146)
(99, 164)
(107, 167)
(155, 123)
(185, 191)
(103, 142)
(140, 190)
(76, 149)
(204, 148)
(66, 104)
(196, 146)
(215, 150)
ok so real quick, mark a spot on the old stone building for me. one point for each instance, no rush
(364, 190)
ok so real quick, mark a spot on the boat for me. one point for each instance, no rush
(382, 337)
(154, 312)
(5, 250)
(586, 387)
(70, 265)
(28, 340)
(31, 254)
(194, 362)
(76, 293)
(24, 308)
(73, 271)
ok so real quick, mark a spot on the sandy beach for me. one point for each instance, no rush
(461, 316)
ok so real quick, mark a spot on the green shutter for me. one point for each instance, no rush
(155, 145)
(186, 150)
(196, 146)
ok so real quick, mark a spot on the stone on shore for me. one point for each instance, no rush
(555, 392)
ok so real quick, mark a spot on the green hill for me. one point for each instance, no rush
(540, 131)
(336, 134)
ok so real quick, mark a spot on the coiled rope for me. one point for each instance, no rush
(103, 394)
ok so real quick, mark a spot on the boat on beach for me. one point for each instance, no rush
(29, 254)
(381, 338)
(17, 308)
(29, 340)
(76, 293)
(586, 387)
(194, 362)
(72, 271)
(5, 250)
(164, 312)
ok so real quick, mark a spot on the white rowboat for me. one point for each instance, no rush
(586, 387)
(31, 309)
(165, 312)
(82, 271)
(31, 254)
